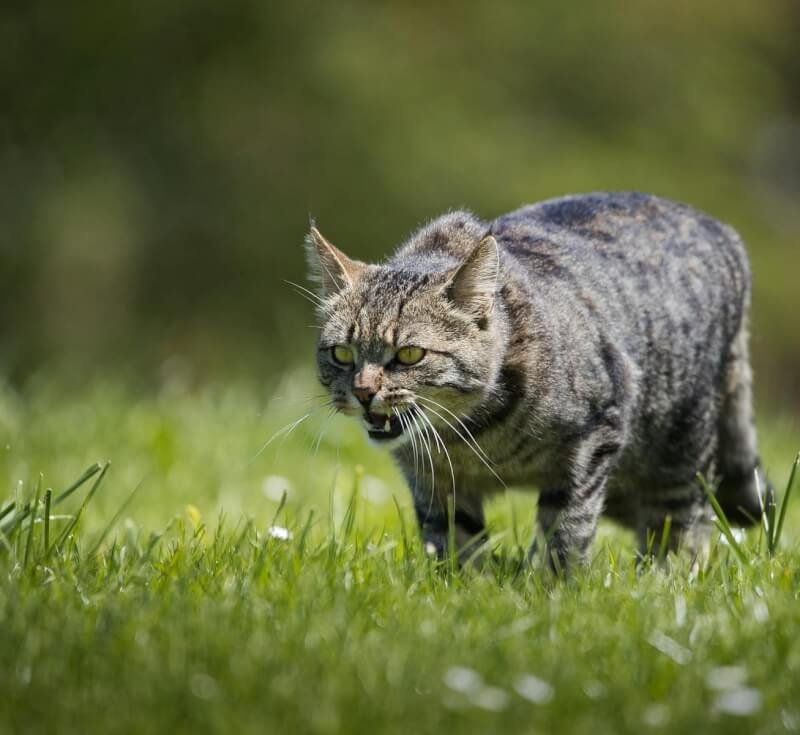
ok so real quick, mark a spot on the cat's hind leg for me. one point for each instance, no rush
(682, 514)
(740, 472)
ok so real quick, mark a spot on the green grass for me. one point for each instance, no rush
(173, 601)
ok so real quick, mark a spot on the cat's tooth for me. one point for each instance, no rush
(387, 426)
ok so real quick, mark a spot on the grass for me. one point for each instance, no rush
(195, 585)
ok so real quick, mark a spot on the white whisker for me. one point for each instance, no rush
(460, 423)
(283, 431)
(407, 429)
(461, 436)
(307, 399)
(443, 448)
(409, 426)
(322, 430)
(306, 293)
(425, 441)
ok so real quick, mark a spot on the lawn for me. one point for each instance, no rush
(214, 584)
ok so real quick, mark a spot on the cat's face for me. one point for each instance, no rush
(400, 346)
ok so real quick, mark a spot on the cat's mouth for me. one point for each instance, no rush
(381, 427)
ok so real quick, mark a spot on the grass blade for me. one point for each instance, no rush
(281, 506)
(767, 525)
(452, 551)
(665, 532)
(785, 501)
(301, 542)
(7, 510)
(116, 517)
(85, 477)
(350, 512)
(47, 497)
(23, 514)
(403, 531)
(29, 539)
(74, 522)
(8, 530)
(722, 521)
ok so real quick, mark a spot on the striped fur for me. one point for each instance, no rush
(594, 347)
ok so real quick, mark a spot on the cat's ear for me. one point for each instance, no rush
(328, 265)
(473, 286)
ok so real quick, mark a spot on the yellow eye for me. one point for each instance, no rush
(410, 355)
(343, 355)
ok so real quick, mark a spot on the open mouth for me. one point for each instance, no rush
(380, 426)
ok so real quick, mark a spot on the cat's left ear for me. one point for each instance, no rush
(474, 284)
(329, 266)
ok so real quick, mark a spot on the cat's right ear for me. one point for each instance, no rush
(473, 285)
(328, 266)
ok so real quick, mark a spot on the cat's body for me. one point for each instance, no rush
(594, 347)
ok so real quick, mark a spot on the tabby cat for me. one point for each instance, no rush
(592, 346)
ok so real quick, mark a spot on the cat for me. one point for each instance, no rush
(593, 346)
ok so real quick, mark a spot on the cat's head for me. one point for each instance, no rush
(412, 340)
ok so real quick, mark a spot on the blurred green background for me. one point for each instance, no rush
(159, 160)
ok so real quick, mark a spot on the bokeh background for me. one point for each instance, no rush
(159, 160)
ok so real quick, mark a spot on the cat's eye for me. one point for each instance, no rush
(343, 355)
(409, 355)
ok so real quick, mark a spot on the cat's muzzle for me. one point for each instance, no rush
(380, 426)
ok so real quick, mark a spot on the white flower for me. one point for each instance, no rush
(279, 532)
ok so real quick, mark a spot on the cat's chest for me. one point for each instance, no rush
(483, 463)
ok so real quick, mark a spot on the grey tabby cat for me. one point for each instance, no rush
(592, 346)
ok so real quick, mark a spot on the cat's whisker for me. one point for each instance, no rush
(425, 425)
(332, 277)
(424, 434)
(425, 440)
(408, 426)
(460, 423)
(417, 434)
(407, 430)
(472, 442)
(323, 429)
(436, 437)
(283, 431)
(307, 399)
(415, 438)
(461, 436)
(308, 294)
(442, 448)
(302, 295)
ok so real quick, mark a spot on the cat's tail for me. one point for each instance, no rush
(744, 488)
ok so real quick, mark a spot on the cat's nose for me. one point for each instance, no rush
(366, 384)
(364, 395)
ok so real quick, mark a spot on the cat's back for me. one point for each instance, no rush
(628, 251)
(621, 233)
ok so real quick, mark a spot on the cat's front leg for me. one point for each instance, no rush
(469, 527)
(569, 511)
